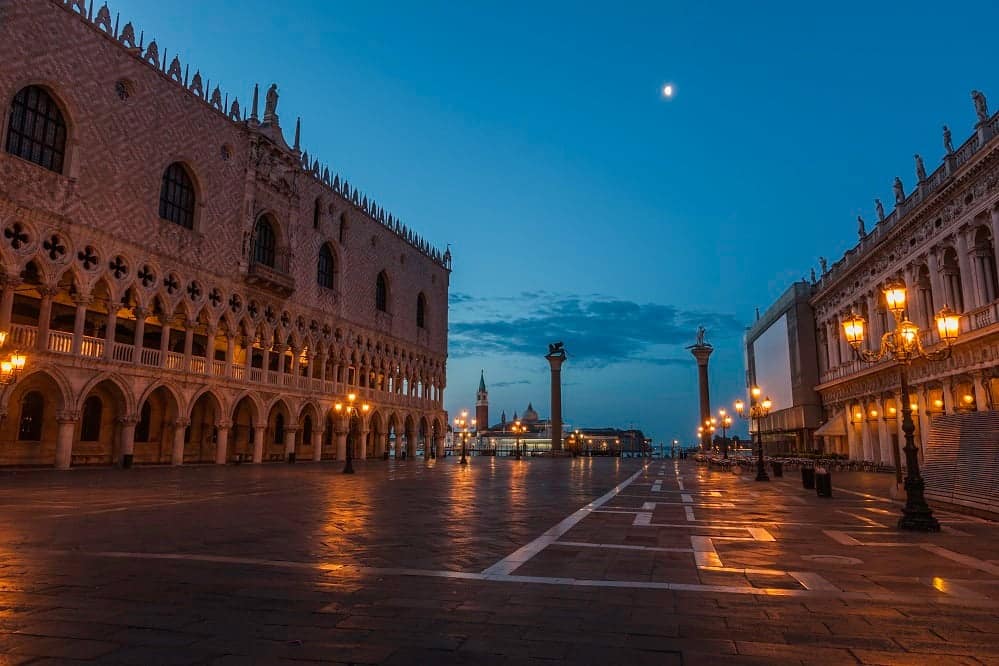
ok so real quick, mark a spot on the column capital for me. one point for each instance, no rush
(182, 422)
(83, 300)
(127, 421)
(67, 416)
(226, 424)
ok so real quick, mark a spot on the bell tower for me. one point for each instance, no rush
(482, 404)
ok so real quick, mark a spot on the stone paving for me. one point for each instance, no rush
(504, 562)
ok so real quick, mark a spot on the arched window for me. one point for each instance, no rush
(279, 429)
(316, 214)
(307, 431)
(381, 293)
(142, 428)
(177, 196)
(32, 411)
(90, 428)
(421, 310)
(327, 267)
(264, 242)
(37, 130)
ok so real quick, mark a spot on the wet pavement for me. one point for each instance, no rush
(537, 561)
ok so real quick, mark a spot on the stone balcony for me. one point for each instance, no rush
(199, 368)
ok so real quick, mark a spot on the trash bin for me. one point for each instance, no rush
(823, 483)
(808, 477)
(778, 468)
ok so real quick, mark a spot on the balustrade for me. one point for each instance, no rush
(238, 372)
(256, 375)
(174, 361)
(218, 368)
(60, 342)
(92, 347)
(150, 357)
(122, 352)
(199, 364)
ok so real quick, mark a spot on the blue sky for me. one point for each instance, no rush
(579, 204)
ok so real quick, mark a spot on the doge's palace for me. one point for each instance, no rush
(185, 285)
(940, 241)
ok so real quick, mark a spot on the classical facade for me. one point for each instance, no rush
(187, 287)
(940, 241)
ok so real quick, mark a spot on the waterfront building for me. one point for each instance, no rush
(187, 285)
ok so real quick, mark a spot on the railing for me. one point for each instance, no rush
(981, 317)
(122, 352)
(23, 336)
(150, 357)
(174, 361)
(92, 347)
(60, 342)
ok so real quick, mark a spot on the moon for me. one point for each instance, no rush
(668, 90)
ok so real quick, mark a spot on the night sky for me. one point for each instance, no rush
(579, 204)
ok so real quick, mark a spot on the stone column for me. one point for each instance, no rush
(230, 353)
(164, 340)
(555, 360)
(126, 434)
(79, 321)
(140, 334)
(109, 334)
(7, 302)
(995, 233)
(258, 443)
(884, 440)
(362, 444)
(289, 442)
(280, 350)
(439, 445)
(981, 395)
(188, 344)
(317, 444)
(865, 437)
(64, 438)
(265, 364)
(44, 318)
(179, 427)
(967, 279)
(411, 445)
(852, 444)
(940, 296)
(701, 352)
(948, 396)
(923, 401)
(247, 357)
(222, 445)
(341, 445)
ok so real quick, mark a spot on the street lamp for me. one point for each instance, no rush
(726, 423)
(350, 410)
(709, 429)
(11, 366)
(518, 430)
(758, 409)
(904, 346)
(461, 423)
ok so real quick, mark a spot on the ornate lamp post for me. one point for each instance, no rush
(518, 430)
(758, 409)
(904, 346)
(709, 429)
(461, 423)
(350, 410)
(11, 366)
(726, 422)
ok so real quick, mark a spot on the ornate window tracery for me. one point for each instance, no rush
(37, 130)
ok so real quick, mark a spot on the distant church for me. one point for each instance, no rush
(502, 438)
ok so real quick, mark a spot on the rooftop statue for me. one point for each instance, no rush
(946, 137)
(270, 105)
(981, 106)
(899, 191)
(824, 265)
(920, 168)
(879, 207)
(861, 228)
(700, 336)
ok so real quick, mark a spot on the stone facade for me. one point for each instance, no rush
(146, 338)
(939, 240)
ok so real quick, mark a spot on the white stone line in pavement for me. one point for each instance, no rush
(841, 538)
(688, 512)
(616, 546)
(863, 519)
(650, 506)
(515, 559)
(966, 560)
(812, 581)
(643, 518)
(952, 588)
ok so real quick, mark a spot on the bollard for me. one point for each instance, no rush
(808, 477)
(823, 483)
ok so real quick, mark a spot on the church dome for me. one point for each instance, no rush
(529, 414)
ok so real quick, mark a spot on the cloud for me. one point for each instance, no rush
(511, 383)
(597, 331)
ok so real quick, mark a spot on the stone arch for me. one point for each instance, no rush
(410, 430)
(423, 436)
(52, 387)
(100, 443)
(308, 438)
(950, 273)
(279, 425)
(159, 418)
(205, 412)
(246, 419)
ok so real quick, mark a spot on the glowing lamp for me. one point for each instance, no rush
(740, 406)
(351, 397)
(3, 338)
(6, 367)
(909, 333)
(895, 296)
(365, 407)
(892, 411)
(853, 327)
(756, 391)
(338, 407)
(948, 324)
(858, 416)
(874, 413)
(968, 399)
(914, 408)
(938, 403)
(767, 404)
